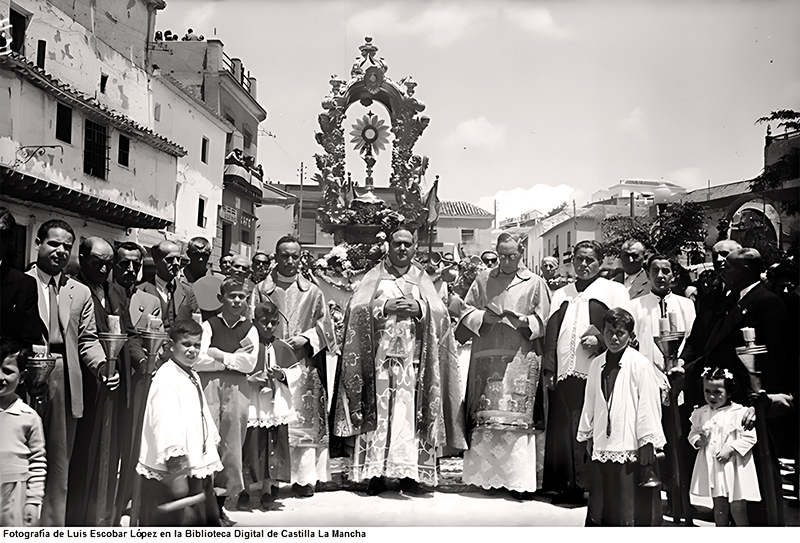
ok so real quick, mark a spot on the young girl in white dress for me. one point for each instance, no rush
(724, 469)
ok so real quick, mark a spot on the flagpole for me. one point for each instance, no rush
(434, 212)
(300, 204)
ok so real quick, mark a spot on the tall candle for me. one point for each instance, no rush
(663, 326)
(114, 325)
(153, 323)
(672, 317)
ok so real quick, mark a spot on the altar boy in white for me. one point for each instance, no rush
(621, 425)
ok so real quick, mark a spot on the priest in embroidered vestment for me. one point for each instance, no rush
(505, 315)
(305, 324)
(398, 388)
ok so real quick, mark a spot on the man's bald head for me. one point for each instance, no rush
(549, 267)
(240, 267)
(95, 243)
(96, 257)
(167, 257)
(743, 268)
(632, 256)
(720, 251)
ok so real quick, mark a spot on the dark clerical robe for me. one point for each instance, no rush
(573, 315)
(84, 470)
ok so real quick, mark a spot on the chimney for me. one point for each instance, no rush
(253, 88)
(237, 69)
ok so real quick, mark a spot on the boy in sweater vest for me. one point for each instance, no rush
(229, 352)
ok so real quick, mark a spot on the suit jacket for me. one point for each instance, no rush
(76, 316)
(185, 302)
(143, 305)
(759, 309)
(640, 285)
(117, 303)
(19, 307)
(710, 308)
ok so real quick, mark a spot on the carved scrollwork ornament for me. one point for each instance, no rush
(369, 83)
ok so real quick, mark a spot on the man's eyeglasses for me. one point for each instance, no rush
(129, 265)
(490, 261)
(508, 258)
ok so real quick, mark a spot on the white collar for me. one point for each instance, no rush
(286, 278)
(745, 290)
(241, 318)
(16, 408)
(161, 283)
(46, 277)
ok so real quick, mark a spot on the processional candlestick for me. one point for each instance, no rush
(112, 342)
(669, 341)
(747, 355)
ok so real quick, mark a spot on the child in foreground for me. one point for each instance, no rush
(23, 465)
(179, 439)
(621, 425)
(724, 469)
(265, 454)
(228, 354)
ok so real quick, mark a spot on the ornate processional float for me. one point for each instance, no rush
(356, 217)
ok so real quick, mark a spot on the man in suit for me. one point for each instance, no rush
(710, 309)
(66, 308)
(176, 297)
(198, 250)
(748, 304)
(633, 274)
(96, 259)
(128, 260)
(19, 297)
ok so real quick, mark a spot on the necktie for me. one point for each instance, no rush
(171, 300)
(55, 326)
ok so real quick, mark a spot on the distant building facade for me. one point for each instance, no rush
(226, 87)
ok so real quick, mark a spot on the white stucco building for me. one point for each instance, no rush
(76, 139)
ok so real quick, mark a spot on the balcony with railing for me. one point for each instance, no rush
(236, 69)
(242, 171)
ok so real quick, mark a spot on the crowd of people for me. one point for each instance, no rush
(545, 386)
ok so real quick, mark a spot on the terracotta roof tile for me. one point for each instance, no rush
(88, 103)
(461, 209)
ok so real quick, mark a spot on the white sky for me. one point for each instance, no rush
(532, 103)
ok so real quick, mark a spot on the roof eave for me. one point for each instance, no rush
(48, 83)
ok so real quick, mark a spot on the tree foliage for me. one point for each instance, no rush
(558, 209)
(723, 225)
(680, 228)
(620, 228)
(788, 119)
(774, 175)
